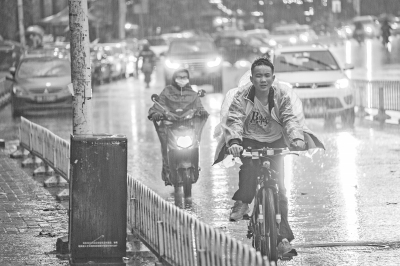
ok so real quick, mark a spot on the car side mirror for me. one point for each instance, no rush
(155, 98)
(348, 66)
(201, 93)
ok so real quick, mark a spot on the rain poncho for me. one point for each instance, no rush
(287, 111)
(176, 98)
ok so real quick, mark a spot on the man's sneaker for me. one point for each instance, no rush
(284, 247)
(239, 209)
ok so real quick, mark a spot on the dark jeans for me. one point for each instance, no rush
(248, 182)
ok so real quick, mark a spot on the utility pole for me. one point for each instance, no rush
(21, 22)
(122, 19)
(357, 7)
(80, 67)
(98, 165)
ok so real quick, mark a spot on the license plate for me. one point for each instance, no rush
(50, 98)
(195, 74)
(315, 110)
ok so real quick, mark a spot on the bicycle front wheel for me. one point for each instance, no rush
(271, 229)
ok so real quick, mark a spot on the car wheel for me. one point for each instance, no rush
(348, 117)
(216, 82)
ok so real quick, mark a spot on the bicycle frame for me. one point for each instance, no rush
(268, 179)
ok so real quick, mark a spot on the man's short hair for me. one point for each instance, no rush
(262, 61)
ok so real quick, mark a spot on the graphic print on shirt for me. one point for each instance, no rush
(258, 123)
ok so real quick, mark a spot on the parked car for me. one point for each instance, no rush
(117, 57)
(40, 83)
(318, 80)
(101, 67)
(200, 56)
(10, 52)
(238, 47)
(292, 34)
(394, 22)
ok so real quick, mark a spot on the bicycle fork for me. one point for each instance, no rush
(271, 183)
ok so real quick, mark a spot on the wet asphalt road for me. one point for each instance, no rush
(348, 193)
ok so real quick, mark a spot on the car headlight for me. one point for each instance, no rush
(215, 62)
(342, 83)
(264, 50)
(171, 64)
(17, 90)
(368, 29)
(293, 40)
(304, 37)
(348, 30)
(184, 142)
(272, 42)
(242, 63)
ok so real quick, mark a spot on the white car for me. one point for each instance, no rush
(318, 80)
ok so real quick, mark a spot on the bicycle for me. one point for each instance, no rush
(266, 216)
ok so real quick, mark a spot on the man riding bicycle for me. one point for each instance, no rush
(263, 113)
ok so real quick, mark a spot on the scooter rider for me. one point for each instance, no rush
(148, 61)
(263, 113)
(177, 96)
(386, 31)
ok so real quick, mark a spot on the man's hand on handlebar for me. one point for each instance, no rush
(298, 145)
(156, 116)
(235, 150)
(203, 113)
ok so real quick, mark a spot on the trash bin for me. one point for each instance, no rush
(98, 199)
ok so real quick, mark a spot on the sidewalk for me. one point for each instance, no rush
(31, 220)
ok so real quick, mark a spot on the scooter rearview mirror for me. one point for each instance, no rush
(201, 93)
(155, 97)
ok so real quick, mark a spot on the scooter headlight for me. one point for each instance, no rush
(184, 142)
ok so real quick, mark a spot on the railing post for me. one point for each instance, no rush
(381, 116)
(361, 108)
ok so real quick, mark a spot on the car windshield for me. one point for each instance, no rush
(157, 42)
(191, 47)
(305, 61)
(6, 60)
(44, 67)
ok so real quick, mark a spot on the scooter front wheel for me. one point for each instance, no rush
(187, 183)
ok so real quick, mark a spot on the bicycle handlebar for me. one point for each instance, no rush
(266, 152)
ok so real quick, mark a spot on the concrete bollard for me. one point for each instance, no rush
(55, 181)
(63, 195)
(44, 170)
(32, 161)
(381, 116)
(19, 153)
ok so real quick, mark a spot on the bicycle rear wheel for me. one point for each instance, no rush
(271, 229)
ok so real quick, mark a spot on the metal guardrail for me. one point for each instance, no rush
(380, 94)
(180, 239)
(41, 142)
(176, 237)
